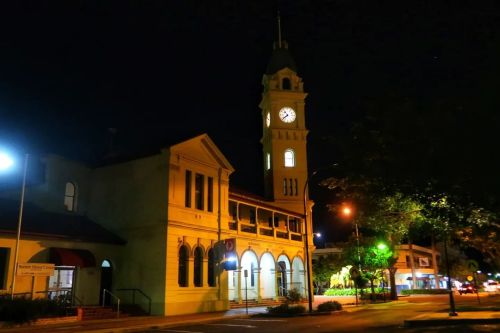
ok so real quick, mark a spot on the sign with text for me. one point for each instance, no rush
(35, 269)
(230, 245)
(423, 262)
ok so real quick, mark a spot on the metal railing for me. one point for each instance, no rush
(134, 290)
(104, 291)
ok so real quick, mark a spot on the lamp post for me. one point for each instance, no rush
(6, 162)
(306, 234)
(452, 312)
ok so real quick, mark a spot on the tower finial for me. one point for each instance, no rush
(279, 30)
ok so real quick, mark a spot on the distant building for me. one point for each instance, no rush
(417, 266)
(168, 227)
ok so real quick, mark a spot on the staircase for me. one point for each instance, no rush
(254, 303)
(96, 312)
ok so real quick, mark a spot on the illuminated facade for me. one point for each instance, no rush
(168, 225)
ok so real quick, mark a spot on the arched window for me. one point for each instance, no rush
(211, 268)
(70, 197)
(285, 84)
(198, 267)
(289, 158)
(183, 266)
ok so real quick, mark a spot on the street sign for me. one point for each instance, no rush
(35, 269)
(230, 245)
(472, 265)
(354, 272)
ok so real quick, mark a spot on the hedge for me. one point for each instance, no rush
(350, 292)
(20, 310)
(424, 291)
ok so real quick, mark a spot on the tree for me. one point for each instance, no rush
(323, 269)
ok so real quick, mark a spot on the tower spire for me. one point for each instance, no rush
(279, 30)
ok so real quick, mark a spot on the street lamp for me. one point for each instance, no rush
(306, 234)
(347, 212)
(5, 163)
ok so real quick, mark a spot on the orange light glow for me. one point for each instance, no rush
(346, 211)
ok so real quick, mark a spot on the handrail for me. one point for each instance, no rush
(133, 296)
(104, 291)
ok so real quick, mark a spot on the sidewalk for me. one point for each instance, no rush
(133, 324)
(463, 318)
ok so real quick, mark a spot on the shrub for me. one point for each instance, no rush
(20, 310)
(329, 306)
(286, 309)
(423, 291)
(293, 296)
(350, 292)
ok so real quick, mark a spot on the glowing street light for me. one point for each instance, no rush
(381, 246)
(5, 163)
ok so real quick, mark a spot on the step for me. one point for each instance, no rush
(96, 312)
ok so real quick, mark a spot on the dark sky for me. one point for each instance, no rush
(157, 70)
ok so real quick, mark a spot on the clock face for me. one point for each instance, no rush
(287, 114)
(268, 119)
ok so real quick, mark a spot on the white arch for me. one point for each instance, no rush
(249, 263)
(233, 283)
(298, 276)
(268, 275)
(283, 274)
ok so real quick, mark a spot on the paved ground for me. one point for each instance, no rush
(433, 318)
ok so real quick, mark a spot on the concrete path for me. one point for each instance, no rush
(132, 324)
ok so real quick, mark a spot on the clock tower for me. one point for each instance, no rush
(284, 131)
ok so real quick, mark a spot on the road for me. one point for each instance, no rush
(382, 317)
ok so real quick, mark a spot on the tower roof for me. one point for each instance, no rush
(280, 59)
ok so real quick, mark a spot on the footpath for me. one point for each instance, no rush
(134, 324)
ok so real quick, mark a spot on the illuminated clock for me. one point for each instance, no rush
(268, 119)
(287, 114)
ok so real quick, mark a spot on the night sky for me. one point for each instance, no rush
(156, 71)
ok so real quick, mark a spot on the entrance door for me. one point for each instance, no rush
(106, 282)
(282, 282)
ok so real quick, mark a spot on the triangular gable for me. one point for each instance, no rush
(203, 149)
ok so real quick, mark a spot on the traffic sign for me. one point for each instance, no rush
(469, 278)
(472, 265)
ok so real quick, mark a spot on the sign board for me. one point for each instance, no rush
(423, 261)
(354, 272)
(472, 265)
(230, 245)
(470, 278)
(35, 269)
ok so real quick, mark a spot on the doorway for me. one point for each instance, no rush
(106, 282)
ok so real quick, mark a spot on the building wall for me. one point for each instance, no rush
(130, 199)
(87, 283)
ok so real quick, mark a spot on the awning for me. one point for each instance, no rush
(71, 257)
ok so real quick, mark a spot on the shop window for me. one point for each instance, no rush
(188, 188)
(183, 266)
(289, 158)
(70, 197)
(211, 268)
(198, 267)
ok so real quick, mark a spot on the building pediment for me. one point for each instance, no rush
(202, 150)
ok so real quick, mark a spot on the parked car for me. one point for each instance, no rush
(467, 288)
(491, 286)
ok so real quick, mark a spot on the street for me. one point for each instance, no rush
(381, 317)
